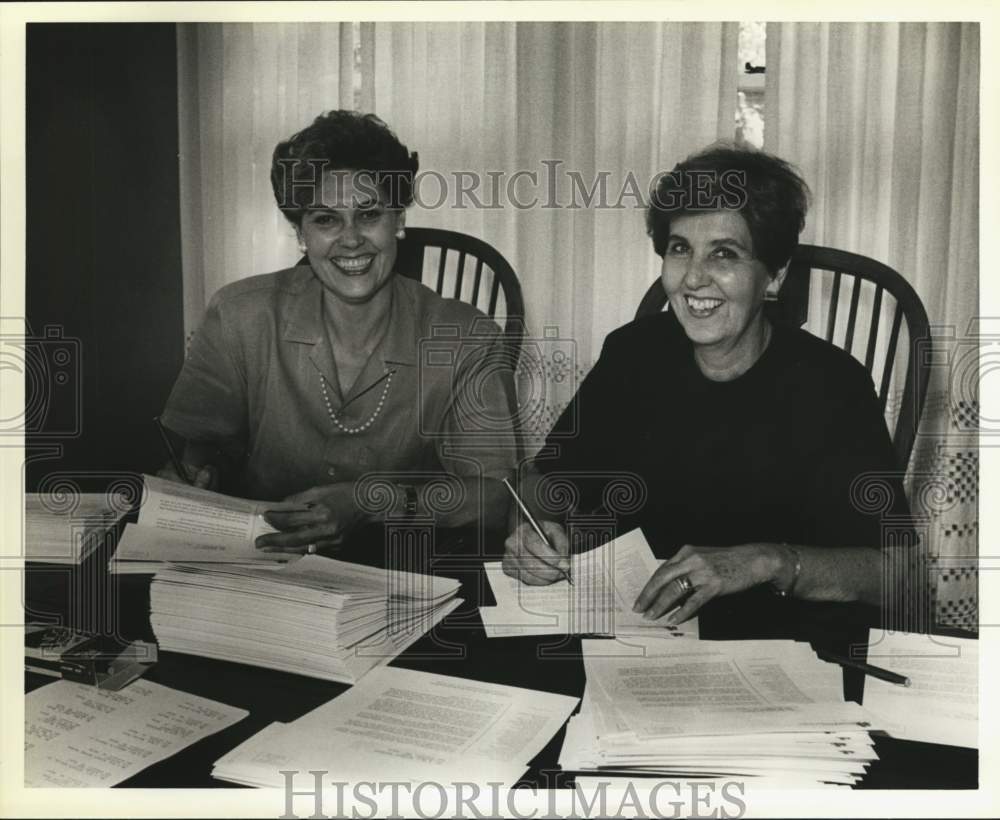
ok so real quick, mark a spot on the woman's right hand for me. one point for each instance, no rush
(205, 477)
(529, 559)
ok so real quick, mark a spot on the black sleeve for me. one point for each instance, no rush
(858, 500)
(859, 488)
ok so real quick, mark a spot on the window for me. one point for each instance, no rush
(750, 84)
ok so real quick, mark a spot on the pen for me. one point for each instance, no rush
(867, 668)
(534, 525)
(178, 466)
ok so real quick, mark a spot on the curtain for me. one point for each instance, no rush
(883, 120)
(488, 101)
(618, 100)
(242, 87)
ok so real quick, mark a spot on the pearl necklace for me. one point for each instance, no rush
(371, 419)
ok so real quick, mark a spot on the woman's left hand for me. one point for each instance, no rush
(711, 571)
(331, 510)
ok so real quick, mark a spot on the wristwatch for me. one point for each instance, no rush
(784, 593)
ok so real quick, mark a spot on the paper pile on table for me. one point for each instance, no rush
(606, 582)
(65, 528)
(941, 704)
(315, 616)
(403, 725)
(770, 711)
(179, 523)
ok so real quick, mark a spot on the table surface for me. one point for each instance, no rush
(456, 647)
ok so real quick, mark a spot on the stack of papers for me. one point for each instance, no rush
(770, 711)
(606, 582)
(180, 523)
(941, 704)
(65, 530)
(402, 725)
(315, 616)
(77, 735)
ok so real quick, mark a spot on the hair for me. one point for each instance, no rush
(341, 141)
(768, 192)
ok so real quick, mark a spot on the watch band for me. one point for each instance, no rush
(784, 593)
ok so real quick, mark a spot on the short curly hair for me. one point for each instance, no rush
(768, 192)
(341, 141)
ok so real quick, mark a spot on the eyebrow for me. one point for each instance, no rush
(360, 205)
(715, 243)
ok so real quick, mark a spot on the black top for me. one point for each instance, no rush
(770, 456)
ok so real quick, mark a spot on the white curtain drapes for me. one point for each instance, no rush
(622, 100)
(242, 87)
(883, 120)
(617, 98)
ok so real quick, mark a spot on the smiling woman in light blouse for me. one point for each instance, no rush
(299, 383)
(749, 435)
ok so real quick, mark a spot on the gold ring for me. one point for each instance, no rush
(685, 584)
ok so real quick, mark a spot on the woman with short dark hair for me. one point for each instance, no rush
(306, 380)
(751, 438)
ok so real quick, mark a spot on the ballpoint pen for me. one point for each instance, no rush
(867, 668)
(534, 525)
(179, 467)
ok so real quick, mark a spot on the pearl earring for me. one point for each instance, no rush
(400, 233)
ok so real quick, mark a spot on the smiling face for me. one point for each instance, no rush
(351, 239)
(716, 287)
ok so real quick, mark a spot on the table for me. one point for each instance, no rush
(457, 647)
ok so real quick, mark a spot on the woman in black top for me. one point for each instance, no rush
(753, 440)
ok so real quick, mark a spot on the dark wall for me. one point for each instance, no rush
(103, 243)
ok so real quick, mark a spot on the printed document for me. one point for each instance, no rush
(179, 523)
(606, 582)
(408, 724)
(78, 735)
(941, 704)
(687, 687)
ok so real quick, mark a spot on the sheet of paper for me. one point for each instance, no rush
(444, 718)
(311, 574)
(59, 532)
(153, 567)
(692, 687)
(941, 704)
(606, 582)
(319, 572)
(766, 710)
(221, 519)
(417, 723)
(497, 624)
(612, 783)
(260, 760)
(77, 735)
(154, 544)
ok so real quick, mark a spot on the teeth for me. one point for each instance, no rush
(353, 262)
(703, 304)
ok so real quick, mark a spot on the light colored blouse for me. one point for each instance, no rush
(252, 381)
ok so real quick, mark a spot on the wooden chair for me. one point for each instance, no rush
(815, 266)
(491, 284)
